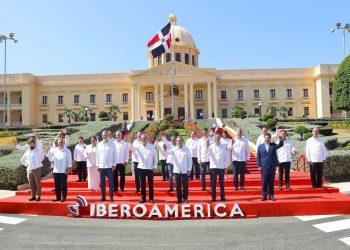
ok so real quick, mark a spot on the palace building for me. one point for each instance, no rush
(146, 94)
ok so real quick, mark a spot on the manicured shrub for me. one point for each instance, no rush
(168, 117)
(271, 122)
(331, 143)
(336, 167)
(171, 132)
(301, 130)
(326, 131)
(7, 134)
(267, 116)
(307, 136)
(163, 126)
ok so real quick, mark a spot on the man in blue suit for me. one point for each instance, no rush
(267, 163)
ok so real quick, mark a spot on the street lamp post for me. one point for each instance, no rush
(345, 28)
(4, 38)
(86, 114)
(260, 109)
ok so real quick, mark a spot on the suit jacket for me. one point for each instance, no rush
(268, 160)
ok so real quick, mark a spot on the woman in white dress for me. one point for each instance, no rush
(226, 142)
(93, 174)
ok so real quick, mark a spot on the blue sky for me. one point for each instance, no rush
(100, 36)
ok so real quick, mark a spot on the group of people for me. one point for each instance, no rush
(179, 160)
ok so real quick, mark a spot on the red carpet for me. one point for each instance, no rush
(300, 200)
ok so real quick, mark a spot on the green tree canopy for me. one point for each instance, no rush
(341, 86)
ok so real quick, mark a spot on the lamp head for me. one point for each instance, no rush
(12, 35)
(347, 27)
(333, 29)
(338, 25)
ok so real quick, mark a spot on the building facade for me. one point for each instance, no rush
(146, 94)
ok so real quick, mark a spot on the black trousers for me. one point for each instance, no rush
(181, 181)
(239, 169)
(165, 173)
(60, 180)
(149, 174)
(268, 185)
(137, 175)
(316, 172)
(214, 173)
(120, 170)
(195, 166)
(284, 167)
(82, 171)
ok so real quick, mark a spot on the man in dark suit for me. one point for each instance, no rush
(267, 163)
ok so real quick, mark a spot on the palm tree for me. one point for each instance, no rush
(282, 110)
(113, 112)
(83, 113)
(272, 110)
(68, 112)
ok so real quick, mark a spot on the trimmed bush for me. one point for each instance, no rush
(307, 136)
(168, 117)
(331, 143)
(5, 151)
(340, 124)
(267, 116)
(336, 166)
(326, 131)
(7, 134)
(171, 132)
(318, 123)
(271, 122)
(163, 126)
(301, 130)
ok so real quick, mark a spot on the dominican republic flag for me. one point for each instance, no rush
(160, 43)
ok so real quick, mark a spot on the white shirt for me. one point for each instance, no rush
(90, 154)
(38, 144)
(79, 152)
(147, 156)
(192, 145)
(284, 154)
(261, 139)
(134, 155)
(50, 154)
(217, 156)
(66, 140)
(315, 150)
(202, 150)
(182, 160)
(240, 150)
(122, 151)
(170, 157)
(62, 160)
(32, 159)
(162, 154)
(106, 155)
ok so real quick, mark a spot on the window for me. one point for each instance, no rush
(256, 94)
(199, 94)
(44, 118)
(125, 98)
(60, 99)
(306, 110)
(125, 116)
(330, 91)
(92, 117)
(167, 57)
(44, 100)
(187, 58)
(223, 95)
(239, 94)
(178, 57)
(20, 100)
(272, 93)
(76, 99)
(193, 62)
(224, 113)
(305, 93)
(289, 93)
(92, 99)
(159, 60)
(257, 111)
(20, 118)
(60, 117)
(109, 98)
(149, 96)
(290, 111)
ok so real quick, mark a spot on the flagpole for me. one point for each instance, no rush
(172, 70)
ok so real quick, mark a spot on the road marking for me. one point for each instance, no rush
(11, 220)
(334, 226)
(346, 240)
(316, 217)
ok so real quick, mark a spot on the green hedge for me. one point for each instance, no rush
(326, 131)
(7, 134)
(336, 166)
(340, 124)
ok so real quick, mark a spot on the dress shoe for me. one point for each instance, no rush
(103, 199)
(185, 201)
(32, 198)
(223, 199)
(63, 199)
(272, 198)
(137, 190)
(53, 190)
(178, 202)
(288, 187)
(242, 188)
(263, 199)
(111, 200)
(78, 180)
(213, 200)
(56, 200)
(142, 201)
(236, 188)
(151, 201)
(203, 189)
(170, 190)
(38, 198)
(280, 187)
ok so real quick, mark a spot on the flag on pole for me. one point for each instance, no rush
(160, 43)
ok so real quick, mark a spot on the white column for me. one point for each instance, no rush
(186, 99)
(133, 108)
(156, 101)
(162, 100)
(191, 101)
(215, 99)
(322, 98)
(138, 101)
(8, 108)
(209, 100)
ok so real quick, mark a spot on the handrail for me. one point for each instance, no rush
(302, 158)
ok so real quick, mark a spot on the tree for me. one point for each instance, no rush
(238, 112)
(272, 110)
(83, 113)
(301, 130)
(282, 110)
(68, 112)
(341, 86)
(103, 115)
(113, 112)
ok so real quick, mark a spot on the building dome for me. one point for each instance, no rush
(181, 37)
